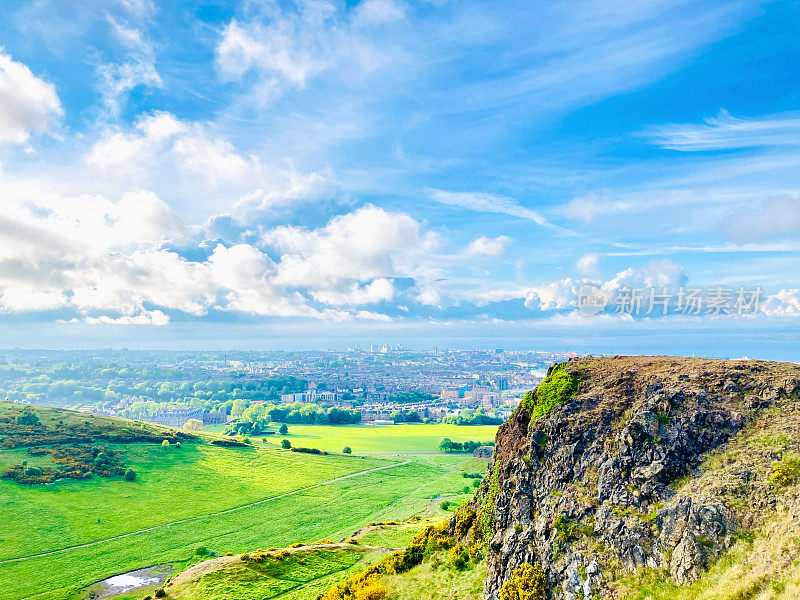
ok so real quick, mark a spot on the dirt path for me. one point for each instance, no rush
(206, 515)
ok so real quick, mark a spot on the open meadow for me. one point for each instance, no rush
(59, 537)
(406, 438)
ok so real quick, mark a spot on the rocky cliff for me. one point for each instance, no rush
(619, 466)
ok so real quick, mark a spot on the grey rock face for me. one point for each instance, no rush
(587, 487)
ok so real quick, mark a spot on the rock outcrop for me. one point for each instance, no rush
(609, 480)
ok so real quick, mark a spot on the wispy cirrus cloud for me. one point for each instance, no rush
(486, 202)
(138, 68)
(727, 132)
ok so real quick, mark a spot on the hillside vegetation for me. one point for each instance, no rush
(189, 495)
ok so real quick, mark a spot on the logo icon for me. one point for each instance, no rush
(592, 299)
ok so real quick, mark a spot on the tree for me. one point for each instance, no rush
(165, 444)
(284, 429)
(286, 444)
(238, 407)
(446, 445)
(130, 475)
(193, 425)
(347, 450)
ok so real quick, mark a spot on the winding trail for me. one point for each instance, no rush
(206, 515)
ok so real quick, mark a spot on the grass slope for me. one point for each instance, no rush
(227, 499)
(300, 574)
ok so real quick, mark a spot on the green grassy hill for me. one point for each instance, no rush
(78, 531)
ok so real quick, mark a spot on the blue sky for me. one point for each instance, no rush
(190, 173)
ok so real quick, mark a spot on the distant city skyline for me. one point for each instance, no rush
(304, 174)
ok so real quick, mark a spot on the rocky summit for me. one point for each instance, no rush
(621, 470)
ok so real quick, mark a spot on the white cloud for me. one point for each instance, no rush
(139, 8)
(585, 208)
(147, 317)
(360, 246)
(160, 140)
(378, 290)
(300, 41)
(166, 152)
(588, 264)
(725, 132)
(655, 274)
(484, 202)
(136, 69)
(286, 185)
(495, 247)
(28, 105)
(786, 303)
(773, 217)
(377, 12)
(106, 261)
(562, 293)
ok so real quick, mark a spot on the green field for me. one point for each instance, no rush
(55, 539)
(380, 439)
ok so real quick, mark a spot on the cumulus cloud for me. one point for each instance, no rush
(108, 262)
(28, 104)
(495, 247)
(786, 303)
(774, 217)
(147, 317)
(561, 294)
(160, 137)
(656, 274)
(364, 246)
(161, 148)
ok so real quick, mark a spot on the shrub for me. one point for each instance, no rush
(178, 445)
(130, 475)
(527, 583)
(787, 471)
(286, 444)
(346, 450)
(372, 589)
(28, 417)
(160, 593)
(307, 450)
(558, 387)
(202, 551)
(165, 444)
(229, 443)
(564, 528)
(446, 505)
